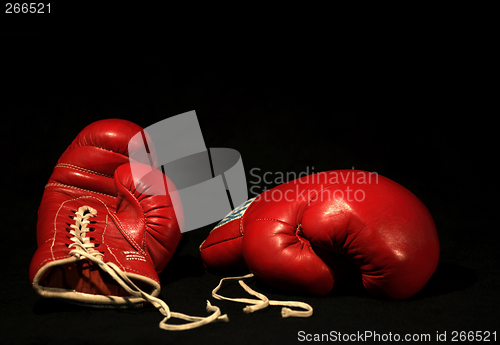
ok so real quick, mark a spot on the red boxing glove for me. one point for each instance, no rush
(297, 236)
(106, 226)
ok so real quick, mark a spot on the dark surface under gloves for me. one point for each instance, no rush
(413, 117)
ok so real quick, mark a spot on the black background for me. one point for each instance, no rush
(407, 101)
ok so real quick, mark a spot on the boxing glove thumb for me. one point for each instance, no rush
(143, 202)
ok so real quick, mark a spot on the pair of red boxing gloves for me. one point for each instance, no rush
(107, 227)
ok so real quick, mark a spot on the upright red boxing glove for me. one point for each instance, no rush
(106, 226)
(297, 236)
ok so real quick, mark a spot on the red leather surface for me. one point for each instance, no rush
(292, 236)
(135, 230)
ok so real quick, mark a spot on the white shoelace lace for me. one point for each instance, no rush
(83, 248)
(263, 301)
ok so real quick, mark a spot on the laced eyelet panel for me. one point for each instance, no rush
(84, 248)
(79, 231)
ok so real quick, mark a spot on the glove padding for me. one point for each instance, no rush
(312, 234)
(106, 226)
